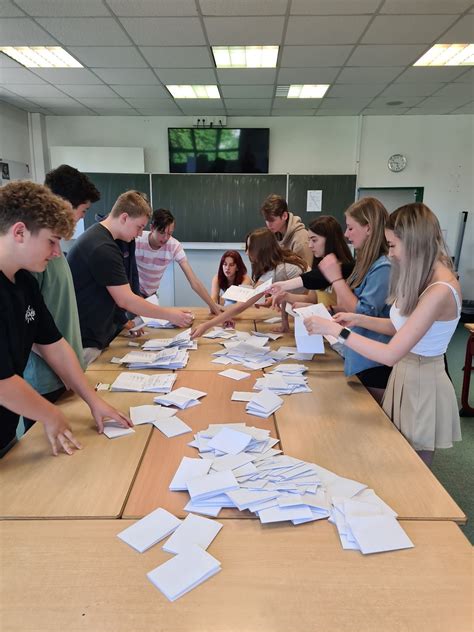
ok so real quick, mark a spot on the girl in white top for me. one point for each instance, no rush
(426, 306)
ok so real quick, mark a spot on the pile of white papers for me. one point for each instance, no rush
(219, 332)
(235, 471)
(189, 540)
(181, 340)
(161, 417)
(264, 404)
(282, 383)
(182, 397)
(173, 358)
(157, 323)
(241, 293)
(141, 383)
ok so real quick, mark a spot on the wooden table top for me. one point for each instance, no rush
(340, 427)
(163, 455)
(273, 579)
(93, 483)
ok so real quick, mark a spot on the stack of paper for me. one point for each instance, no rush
(113, 430)
(219, 332)
(162, 418)
(282, 383)
(181, 340)
(173, 358)
(154, 527)
(141, 383)
(290, 369)
(182, 397)
(264, 404)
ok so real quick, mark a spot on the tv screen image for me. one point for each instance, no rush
(218, 150)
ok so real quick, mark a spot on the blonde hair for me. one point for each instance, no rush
(134, 203)
(370, 212)
(37, 207)
(418, 229)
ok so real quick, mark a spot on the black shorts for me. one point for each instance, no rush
(376, 377)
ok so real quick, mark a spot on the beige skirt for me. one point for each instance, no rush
(421, 402)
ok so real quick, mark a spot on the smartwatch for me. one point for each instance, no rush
(344, 335)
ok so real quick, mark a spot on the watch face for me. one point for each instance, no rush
(397, 162)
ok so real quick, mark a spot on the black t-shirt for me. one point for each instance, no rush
(24, 320)
(96, 262)
(315, 279)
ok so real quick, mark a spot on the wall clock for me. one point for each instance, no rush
(397, 162)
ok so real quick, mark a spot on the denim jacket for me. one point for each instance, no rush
(371, 294)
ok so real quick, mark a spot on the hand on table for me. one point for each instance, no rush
(101, 411)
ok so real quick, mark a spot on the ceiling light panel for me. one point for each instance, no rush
(245, 56)
(194, 92)
(307, 91)
(41, 56)
(448, 55)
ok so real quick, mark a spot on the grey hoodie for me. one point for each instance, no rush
(296, 239)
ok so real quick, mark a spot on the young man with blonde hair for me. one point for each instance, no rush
(32, 222)
(100, 279)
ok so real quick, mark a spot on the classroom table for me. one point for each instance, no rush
(92, 483)
(273, 579)
(162, 457)
(340, 427)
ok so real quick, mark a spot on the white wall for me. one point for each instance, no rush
(14, 138)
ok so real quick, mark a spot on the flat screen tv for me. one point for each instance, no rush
(218, 150)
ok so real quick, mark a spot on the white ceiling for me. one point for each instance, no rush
(131, 48)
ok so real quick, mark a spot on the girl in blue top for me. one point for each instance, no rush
(366, 289)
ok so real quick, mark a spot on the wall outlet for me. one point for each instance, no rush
(209, 121)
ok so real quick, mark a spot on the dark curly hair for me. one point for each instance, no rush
(72, 185)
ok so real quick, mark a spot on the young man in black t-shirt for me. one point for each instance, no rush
(32, 222)
(100, 278)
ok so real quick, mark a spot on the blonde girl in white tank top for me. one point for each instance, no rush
(426, 301)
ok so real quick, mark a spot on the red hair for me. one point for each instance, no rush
(240, 273)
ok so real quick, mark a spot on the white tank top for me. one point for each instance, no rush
(436, 340)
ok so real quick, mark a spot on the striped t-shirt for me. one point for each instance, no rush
(152, 264)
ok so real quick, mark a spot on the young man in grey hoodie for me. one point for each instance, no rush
(288, 228)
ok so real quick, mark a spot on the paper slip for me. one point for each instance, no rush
(184, 572)
(231, 461)
(318, 309)
(201, 509)
(139, 382)
(222, 360)
(133, 344)
(264, 404)
(113, 431)
(193, 531)
(375, 534)
(149, 530)
(270, 335)
(273, 321)
(305, 342)
(148, 413)
(211, 485)
(172, 427)
(182, 398)
(101, 386)
(279, 514)
(143, 357)
(230, 441)
(188, 469)
(234, 374)
(241, 294)
(242, 396)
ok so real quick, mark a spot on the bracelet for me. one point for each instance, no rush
(336, 280)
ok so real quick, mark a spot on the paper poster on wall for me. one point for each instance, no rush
(313, 201)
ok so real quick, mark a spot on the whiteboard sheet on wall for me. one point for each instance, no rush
(100, 159)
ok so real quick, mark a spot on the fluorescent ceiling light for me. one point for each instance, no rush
(307, 91)
(41, 56)
(448, 55)
(194, 92)
(245, 56)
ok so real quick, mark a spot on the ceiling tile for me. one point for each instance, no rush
(247, 92)
(241, 31)
(67, 75)
(233, 112)
(148, 103)
(307, 75)
(385, 112)
(325, 29)
(248, 104)
(82, 31)
(153, 8)
(333, 7)
(461, 32)
(63, 101)
(406, 29)
(72, 111)
(165, 31)
(177, 56)
(425, 6)
(8, 10)
(141, 91)
(247, 76)
(309, 56)
(386, 55)
(88, 90)
(23, 32)
(278, 112)
(282, 103)
(160, 112)
(461, 90)
(397, 90)
(465, 109)
(430, 74)
(44, 90)
(452, 102)
(108, 56)
(243, 7)
(368, 75)
(179, 76)
(8, 62)
(18, 75)
(59, 8)
(18, 102)
(355, 89)
(407, 102)
(338, 103)
(115, 112)
(123, 76)
(201, 106)
(108, 103)
(466, 77)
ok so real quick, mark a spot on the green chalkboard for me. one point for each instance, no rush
(111, 185)
(338, 192)
(217, 207)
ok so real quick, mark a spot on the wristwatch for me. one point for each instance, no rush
(344, 335)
